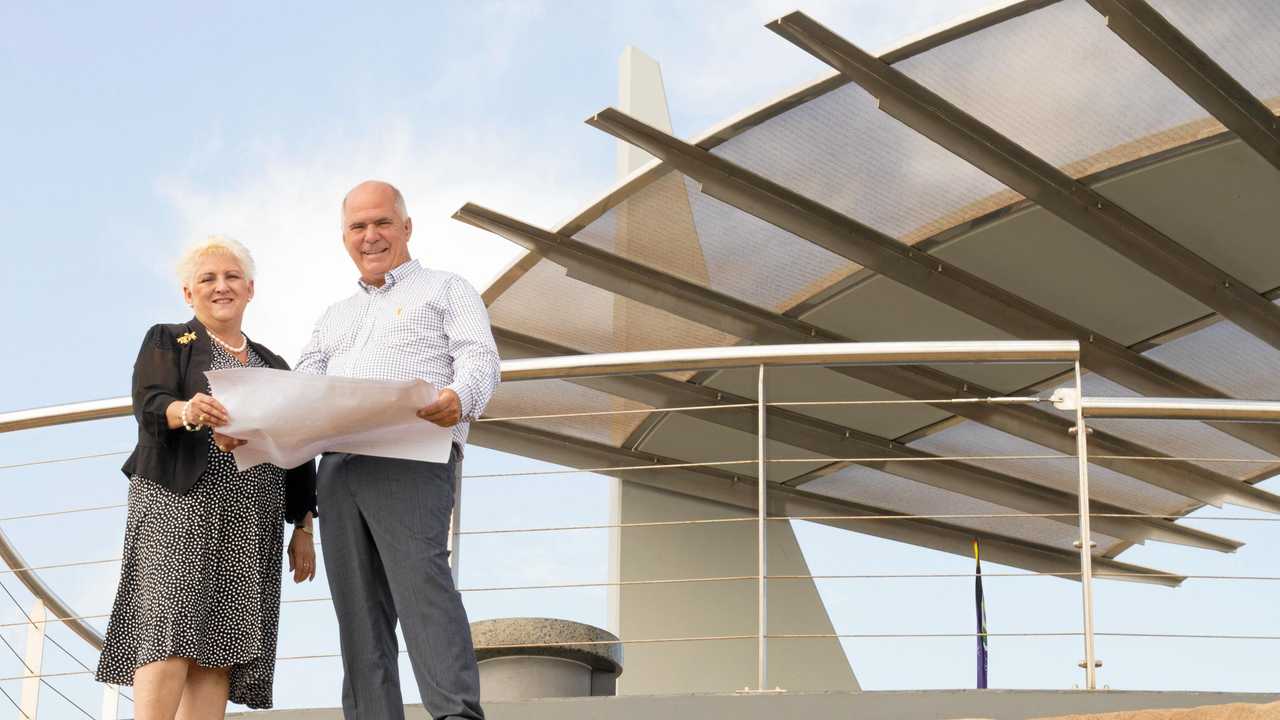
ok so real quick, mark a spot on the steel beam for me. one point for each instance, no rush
(740, 493)
(836, 441)
(647, 285)
(1195, 73)
(1074, 202)
(920, 271)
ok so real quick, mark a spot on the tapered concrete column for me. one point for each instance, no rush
(700, 609)
(716, 608)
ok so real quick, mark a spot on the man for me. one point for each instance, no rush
(386, 521)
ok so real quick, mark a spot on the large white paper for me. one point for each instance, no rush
(289, 418)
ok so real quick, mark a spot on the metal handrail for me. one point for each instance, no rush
(37, 587)
(656, 361)
(581, 366)
(1168, 408)
(816, 354)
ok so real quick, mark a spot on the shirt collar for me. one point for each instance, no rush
(390, 279)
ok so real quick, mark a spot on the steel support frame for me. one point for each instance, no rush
(1180, 60)
(1070, 200)
(647, 285)
(834, 440)
(917, 270)
(742, 493)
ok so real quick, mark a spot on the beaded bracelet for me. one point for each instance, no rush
(187, 423)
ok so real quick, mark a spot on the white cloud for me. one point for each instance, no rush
(287, 213)
(285, 207)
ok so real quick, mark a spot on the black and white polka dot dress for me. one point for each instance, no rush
(200, 576)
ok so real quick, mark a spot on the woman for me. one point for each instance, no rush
(196, 613)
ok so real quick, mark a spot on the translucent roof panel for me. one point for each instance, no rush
(1239, 35)
(553, 397)
(1250, 371)
(969, 439)
(842, 151)
(880, 489)
(547, 304)
(1062, 85)
(671, 226)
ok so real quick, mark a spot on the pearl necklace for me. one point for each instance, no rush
(223, 343)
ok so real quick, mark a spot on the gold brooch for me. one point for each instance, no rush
(184, 339)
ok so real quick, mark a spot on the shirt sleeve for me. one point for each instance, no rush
(156, 384)
(476, 365)
(314, 360)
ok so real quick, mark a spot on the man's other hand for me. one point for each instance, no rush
(446, 411)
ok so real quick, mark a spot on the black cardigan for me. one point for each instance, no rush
(168, 370)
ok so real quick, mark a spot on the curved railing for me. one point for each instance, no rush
(762, 358)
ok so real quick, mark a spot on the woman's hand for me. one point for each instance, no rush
(302, 555)
(226, 443)
(204, 410)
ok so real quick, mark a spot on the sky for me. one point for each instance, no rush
(133, 129)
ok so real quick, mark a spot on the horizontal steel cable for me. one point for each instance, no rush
(740, 578)
(662, 523)
(54, 513)
(795, 636)
(52, 620)
(51, 461)
(658, 466)
(781, 403)
(31, 673)
(31, 622)
(597, 413)
(999, 400)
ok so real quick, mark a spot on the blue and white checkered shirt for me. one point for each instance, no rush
(421, 323)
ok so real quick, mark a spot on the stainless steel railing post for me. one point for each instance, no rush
(1085, 543)
(762, 505)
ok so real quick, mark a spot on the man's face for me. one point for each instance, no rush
(375, 235)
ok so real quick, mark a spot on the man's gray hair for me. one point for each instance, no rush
(211, 245)
(400, 207)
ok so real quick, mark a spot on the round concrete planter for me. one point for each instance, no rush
(526, 658)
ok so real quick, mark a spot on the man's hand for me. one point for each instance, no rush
(446, 411)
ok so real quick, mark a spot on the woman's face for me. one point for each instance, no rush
(218, 290)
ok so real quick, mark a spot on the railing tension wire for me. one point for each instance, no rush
(30, 622)
(1016, 400)
(34, 674)
(1085, 542)
(786, 636)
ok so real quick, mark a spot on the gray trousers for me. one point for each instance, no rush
(384, 526)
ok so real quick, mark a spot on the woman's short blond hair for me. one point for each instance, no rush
(209, 246)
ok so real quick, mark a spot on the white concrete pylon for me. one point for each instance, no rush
(641, 95)
(697, 609)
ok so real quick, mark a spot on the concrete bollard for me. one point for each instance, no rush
(526, 658)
